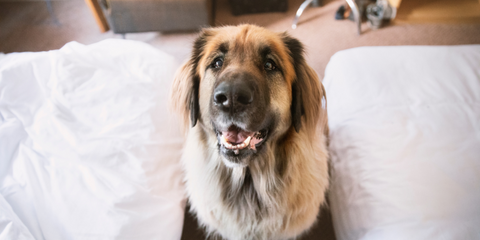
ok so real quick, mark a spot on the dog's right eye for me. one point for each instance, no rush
(217, 63)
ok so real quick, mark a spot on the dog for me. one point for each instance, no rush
(255, 156)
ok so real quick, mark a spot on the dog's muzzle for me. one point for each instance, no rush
(239, 117)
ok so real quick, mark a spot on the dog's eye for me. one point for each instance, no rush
(217, 63)
(269, 65)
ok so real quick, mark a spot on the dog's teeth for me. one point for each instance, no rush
(236, 148)
(236, 151)
(247, 141)
(227, 145)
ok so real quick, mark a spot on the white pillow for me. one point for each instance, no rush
(405, 142)
(88, 149)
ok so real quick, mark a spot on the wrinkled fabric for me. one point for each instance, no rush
(88, 148)
(405, 142)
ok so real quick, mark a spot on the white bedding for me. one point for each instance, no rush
(88, 149)
(405, 142)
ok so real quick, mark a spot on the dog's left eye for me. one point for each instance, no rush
(269, 65)
(217, 63)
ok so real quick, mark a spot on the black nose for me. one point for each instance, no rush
(234, 94)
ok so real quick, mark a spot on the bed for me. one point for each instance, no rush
(89, 150)
(405, 142)
(87, 147)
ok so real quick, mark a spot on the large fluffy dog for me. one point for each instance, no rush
(255, 158)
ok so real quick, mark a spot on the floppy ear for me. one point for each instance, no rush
(297, 107)
(184, 93)
(308, 95)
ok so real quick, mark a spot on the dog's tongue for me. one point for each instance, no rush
(236, 135)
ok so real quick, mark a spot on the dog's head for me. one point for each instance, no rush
(249, 88)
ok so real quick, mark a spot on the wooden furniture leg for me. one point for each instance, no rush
(98, 14)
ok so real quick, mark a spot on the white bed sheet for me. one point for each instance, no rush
(88, 149)
(405, 142)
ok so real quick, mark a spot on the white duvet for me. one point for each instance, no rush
(88, 149)
(405, 142)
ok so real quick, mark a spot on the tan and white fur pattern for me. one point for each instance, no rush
(277, 191)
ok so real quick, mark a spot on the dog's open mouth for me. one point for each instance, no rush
(235, 140)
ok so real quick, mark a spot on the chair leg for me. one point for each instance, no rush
(356, 14)
(299, 12)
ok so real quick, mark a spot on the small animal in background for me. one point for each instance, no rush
(255, 157)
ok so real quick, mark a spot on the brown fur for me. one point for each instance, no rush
(278, 193)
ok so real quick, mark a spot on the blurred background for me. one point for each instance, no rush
(42, 25)
(171, 26)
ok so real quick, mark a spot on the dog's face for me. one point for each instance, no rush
(246, 87)
(245, 91)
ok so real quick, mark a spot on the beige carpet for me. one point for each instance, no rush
(27, 26)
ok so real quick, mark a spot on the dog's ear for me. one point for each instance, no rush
(308, 95)
(184, 93)
(296, 108)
